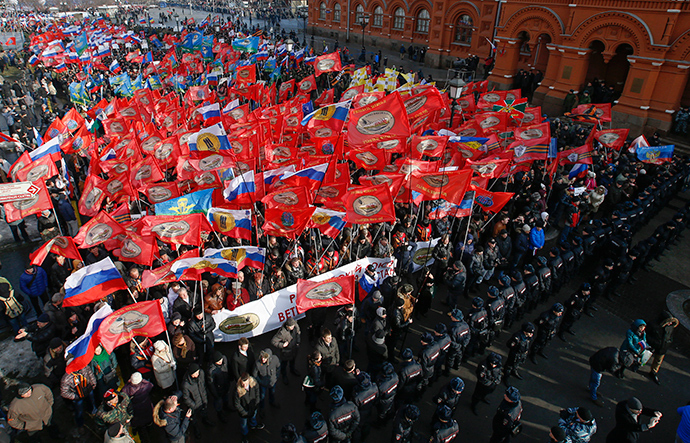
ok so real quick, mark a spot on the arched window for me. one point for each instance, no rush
(322, 11)
(399, 20)
(423, 22)
(378, 17)
(359, 14)
(463, 29)
(336, 12)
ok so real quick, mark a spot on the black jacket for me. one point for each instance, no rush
(240, 363)
(628, 428)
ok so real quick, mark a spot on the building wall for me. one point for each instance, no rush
(641, 47)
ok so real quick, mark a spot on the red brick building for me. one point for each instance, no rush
(641, 47)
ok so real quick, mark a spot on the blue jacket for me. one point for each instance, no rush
(632, 342)
(31, 286)
(522, 243)
(65, 209)
(536, 238)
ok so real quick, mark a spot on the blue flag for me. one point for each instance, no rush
(655, 154)
(199, 201)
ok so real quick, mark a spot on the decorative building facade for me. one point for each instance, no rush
(640, 47)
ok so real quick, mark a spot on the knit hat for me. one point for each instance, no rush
(558, 433)
(109, 395)
(43, 318)
(526, 229)
(193, 368)
(23, 388)
(135, 378)
(634, 404)
(444, 412)
(217, 356)
(175, 316)
(159, 345)
(55, 343)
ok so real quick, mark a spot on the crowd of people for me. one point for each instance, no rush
(495, 270)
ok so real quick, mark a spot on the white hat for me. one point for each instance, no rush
(135, 378)
(159, 345)
(381, 311)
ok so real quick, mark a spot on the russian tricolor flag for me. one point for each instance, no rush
(115, 67)
(60, 67)
(49, 148)
(315, 173)
(33, 60)
(83, 348)
(233, 223)
(242, 255)
(329, 222)
(240, 186)
(210, 112)
(93, 282)
(195, 266)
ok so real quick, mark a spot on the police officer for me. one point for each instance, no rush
(601, 279)
(544, 275)
(506, 422)
(428, 355)
(442, 339)
(495, 308)
(518, 349)
(578, 251)
(508, 295)
(555, 263)
(403, 426)
(573, 310)
(478, 320)
(459, 339)
(364, 396)
(410, 376)
(520, 289)
(547, 325)
(343, 418)
(446, 429)
(288, 434)
(317, 432)
(449, 396)
(568, 262)
(623, 271)
(387, 382)
(488, 377)
(532, 285)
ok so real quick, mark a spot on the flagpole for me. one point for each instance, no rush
(317, 261)
(167, 335)
(467, 231)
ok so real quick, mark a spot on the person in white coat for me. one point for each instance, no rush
(164, 364)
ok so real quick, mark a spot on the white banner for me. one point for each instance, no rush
(422, 254)
(10, 192)
(270, 311)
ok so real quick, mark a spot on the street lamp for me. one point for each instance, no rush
(457, 85)
(289, 44)
(177, 22)
(364, 21)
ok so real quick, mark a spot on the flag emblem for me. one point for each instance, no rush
(325, 64)
(26, 203)
(92, 197)
(208, 142)
(287, 219)
(98, 233)
(163, 151)
(171, 229)
(436, 181)
(325, 291)
(367, 205)
(211, 162)
(376, 122)
(158, 194)
(128, 321)
(414, 104)
(240, 324)
(484, 200)
(226, 221)
(130, 249)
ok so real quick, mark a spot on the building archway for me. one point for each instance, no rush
(541, 53)
(611, 69)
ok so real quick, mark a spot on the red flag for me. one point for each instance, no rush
(491, 122)
(137, 249)
(431, 146)
(21, 163)
(282, 222)
(326, 98)
(246, 75)
(20, 209)
(145, 172)
(159, 276)
(488, 168)
(160, 192)
(332, 292)
(449, 186)
(601, 111)
(307, 85)
(487, 100)
(63, 246)
(176, 229)
(583, 154)
(393, 180)
(491, 201)
(72, 120)
(369, 204)
(286, 88)
(97, 230)
(327, 63)
(378, 121)
(55, 129)
(140, 319)
(368, 157)
(612, 138)
(423, 104)
(92, 196)
(531, 143)
(42, 169)
(293, 197)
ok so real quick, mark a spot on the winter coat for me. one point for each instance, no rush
(124, 439)
(68, 389)
(106, 416)
(628, 427)
(536, 238)
(32, 413)
(40, 338)
(240, 363)
(164, 366)
(57, 317)
(329, 353)
(201, 330)
(522, 243)
(267, 374)
(595, 199)
(606, 359)
(142, 407)
(661, 335)
(634, 343)
(292, 338)
(218, 378)
(246, 401)
(31, 286)
(174, 423)
(194, 391)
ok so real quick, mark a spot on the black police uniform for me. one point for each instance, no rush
(547, 325)
(460, 338)
(343, 421)
(479, 331)
(488, 378)
(507, 417)
(518, 349)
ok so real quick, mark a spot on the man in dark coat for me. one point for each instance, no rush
(218, 382)
(168, 415)
(629, 421)
(287, 341)
(242, 360)
(195, 397)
